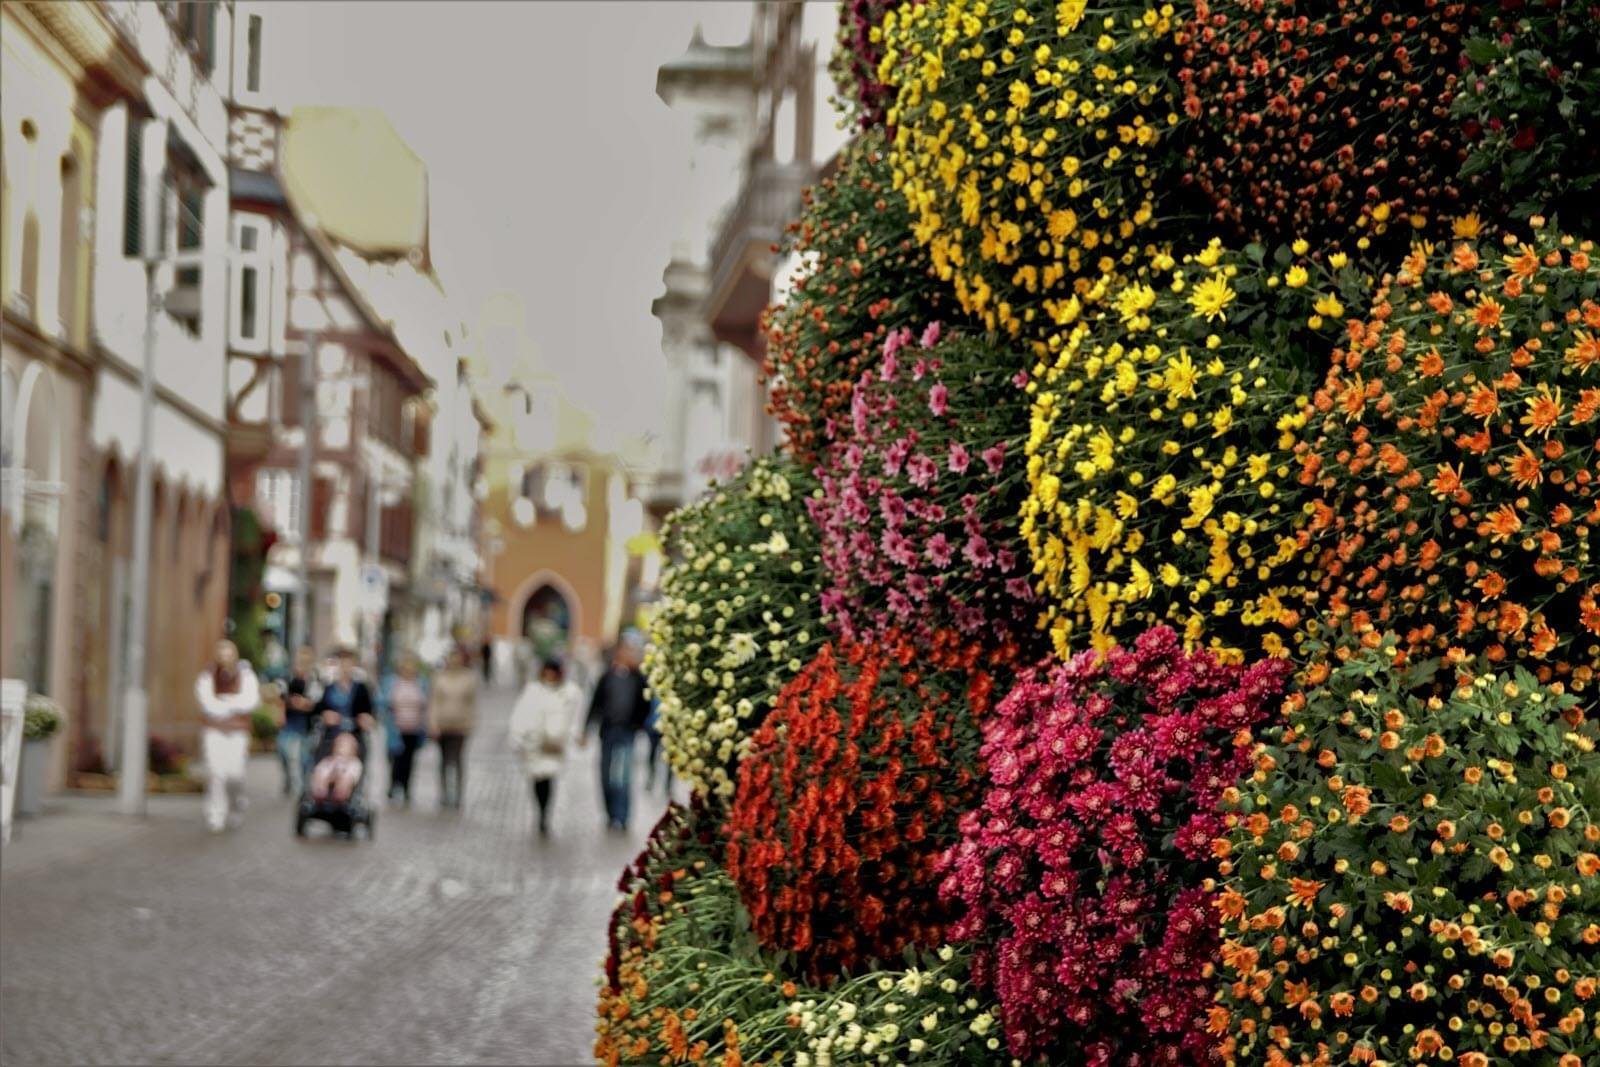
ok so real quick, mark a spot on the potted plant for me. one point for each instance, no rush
(41, 720)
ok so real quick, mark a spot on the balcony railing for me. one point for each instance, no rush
(768, 201)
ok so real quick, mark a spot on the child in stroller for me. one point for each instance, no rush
(334, 791)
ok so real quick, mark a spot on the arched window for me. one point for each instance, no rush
(71, 207)
(28, 284)
(106, 503)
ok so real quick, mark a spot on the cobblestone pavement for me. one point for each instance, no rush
(455, 937)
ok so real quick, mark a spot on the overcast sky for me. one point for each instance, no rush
(555, 171)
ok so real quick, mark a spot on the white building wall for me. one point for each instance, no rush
(186, 106)
(829, 133)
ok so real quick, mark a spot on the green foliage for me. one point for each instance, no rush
(246, 612)
(41, 718)
(1528, 104)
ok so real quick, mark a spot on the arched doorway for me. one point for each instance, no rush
(546, 620)
(32, 477)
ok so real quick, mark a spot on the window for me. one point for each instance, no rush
(195, 24)
(386, 414)
(252, 277)
(104, 505)
(133, 190)
(183, 235)
(247, 303)
(252, 67)
(277, 501)
(181, 207)
(71, 205)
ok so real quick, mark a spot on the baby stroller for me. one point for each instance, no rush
(342, 816)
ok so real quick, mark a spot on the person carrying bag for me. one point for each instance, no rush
(544, 723)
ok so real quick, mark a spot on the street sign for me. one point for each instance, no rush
(374, 588)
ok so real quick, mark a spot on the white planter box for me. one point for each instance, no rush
(34, 771)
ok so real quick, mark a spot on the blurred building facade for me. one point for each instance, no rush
(758, 127)
(113, 139)
(563, 532)
(133, 131)
(331, 265)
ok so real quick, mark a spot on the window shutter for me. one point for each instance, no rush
(208, 40)
(133, 190)
(252, 79)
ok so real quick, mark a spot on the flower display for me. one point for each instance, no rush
(849, 795)
(917, 510)
(1081, 876)
(1160, 449)
(1456, 458)
(1027, 141)
(680, 985)
(1203, 383)
(1415, 878)
(737, 619)
(865, 277)
(857, 53)
(1525, 107)
(1327, 122)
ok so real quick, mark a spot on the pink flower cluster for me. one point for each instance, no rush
(919, 503)
(1080, 875)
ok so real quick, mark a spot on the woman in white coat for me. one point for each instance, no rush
(545, 721)
(227, 692)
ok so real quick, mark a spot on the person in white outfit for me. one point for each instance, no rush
(227, 692)
(545, 721)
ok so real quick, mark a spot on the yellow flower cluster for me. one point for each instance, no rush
(1160, 450)
(1027, 146)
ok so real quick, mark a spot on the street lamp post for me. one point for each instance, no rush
(135, 699)
(300, 615)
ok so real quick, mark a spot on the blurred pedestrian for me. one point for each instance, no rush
(544, 721)
(227, 692)
(455, 712)
(300, 698)
(346, 703)
(618, 711)
(403, 702)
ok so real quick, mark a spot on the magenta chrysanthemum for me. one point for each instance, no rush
(1080, 875)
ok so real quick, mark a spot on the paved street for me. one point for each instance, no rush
(453, 938)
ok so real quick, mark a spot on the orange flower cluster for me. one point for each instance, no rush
(1413, 878)
(1327, 119)
(1458, 457)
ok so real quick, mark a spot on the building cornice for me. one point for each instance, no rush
(104, 62)
(25, 333)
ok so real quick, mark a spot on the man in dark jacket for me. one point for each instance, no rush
(618, 711)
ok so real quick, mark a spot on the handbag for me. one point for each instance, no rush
(552, 744)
